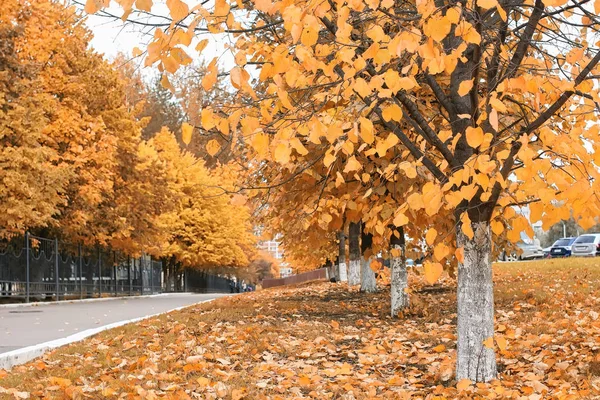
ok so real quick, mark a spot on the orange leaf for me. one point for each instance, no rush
(501, 342)
(439, 348)
(213, 147)
(463, 384)
(432, 271)
(186, 133)
(474, 136)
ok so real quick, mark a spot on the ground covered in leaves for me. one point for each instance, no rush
(323, 341)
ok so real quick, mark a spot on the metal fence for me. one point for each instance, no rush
(199, 281)
(43, 269)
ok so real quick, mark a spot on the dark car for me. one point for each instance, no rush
(562, 247)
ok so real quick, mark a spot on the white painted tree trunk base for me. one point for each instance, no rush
(354, 273)
(368, 282)
(475, 299)
(343, 272)
(399, 288)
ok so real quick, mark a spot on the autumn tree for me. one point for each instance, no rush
(492, 104)
(203, 228)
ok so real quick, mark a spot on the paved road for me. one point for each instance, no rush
(26, 326)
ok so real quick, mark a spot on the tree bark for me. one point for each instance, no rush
(475, 299)
(342, 274)
(368, 281)
(399, 287)
(354, 249)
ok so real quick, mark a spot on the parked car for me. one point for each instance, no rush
(527, 251)
(562, 247)
(546, 251)
(586, 245)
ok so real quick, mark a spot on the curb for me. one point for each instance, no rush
(25, 354)
(49, 303)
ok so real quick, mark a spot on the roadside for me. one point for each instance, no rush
(27, 331)
(320, 340)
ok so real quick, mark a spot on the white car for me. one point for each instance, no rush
(586, 245)
(527, 251)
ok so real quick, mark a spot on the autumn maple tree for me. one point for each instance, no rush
(472, 108)
(75, 162)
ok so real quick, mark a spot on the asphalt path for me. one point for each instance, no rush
(31, 325)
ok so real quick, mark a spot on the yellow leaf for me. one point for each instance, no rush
(415, 201)
(465, 87)
(366, 130)
(439, 348)
(239, 76)
(260, 143)
(186, 133)
(329, 158)
(433, 271)
(282, 153)
(210, 78)
(392, 112)
(487, 4)
(144, 5)
(400, 219)
(164, 81)
(498, 105)
(298, 146)
(310, 35)
(207, 119)
(494, 119)
(335, 324)
(304, 380)
(201, 45)
(430, 236)
(213, 147)
(62, 382)
(474, 136)
(362, 87)
(460, 254)
(463, 384)
(352, 165)
(91, 6)
(178, 9)
(441, 251)
(466, 227)
(437, 28)
(501, 342)
(489, 342)
(497, 227)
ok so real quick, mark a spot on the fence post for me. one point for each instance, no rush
(151, 276)
(129, 275)
(142, 263)
(56, 265)
(80, 272)
(27, 267)
(115, 273)
(99, 272)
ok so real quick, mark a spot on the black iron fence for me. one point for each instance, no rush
(42, 269)
(199, 281)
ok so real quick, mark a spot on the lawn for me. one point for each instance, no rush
(322, 341)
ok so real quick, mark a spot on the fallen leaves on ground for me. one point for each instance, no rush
(323, 341)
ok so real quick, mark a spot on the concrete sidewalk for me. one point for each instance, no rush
(22, 327)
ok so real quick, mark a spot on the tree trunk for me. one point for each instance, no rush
(368, 281)
(341, 268)
(354, 249)
(399, 274)
(475, 299)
